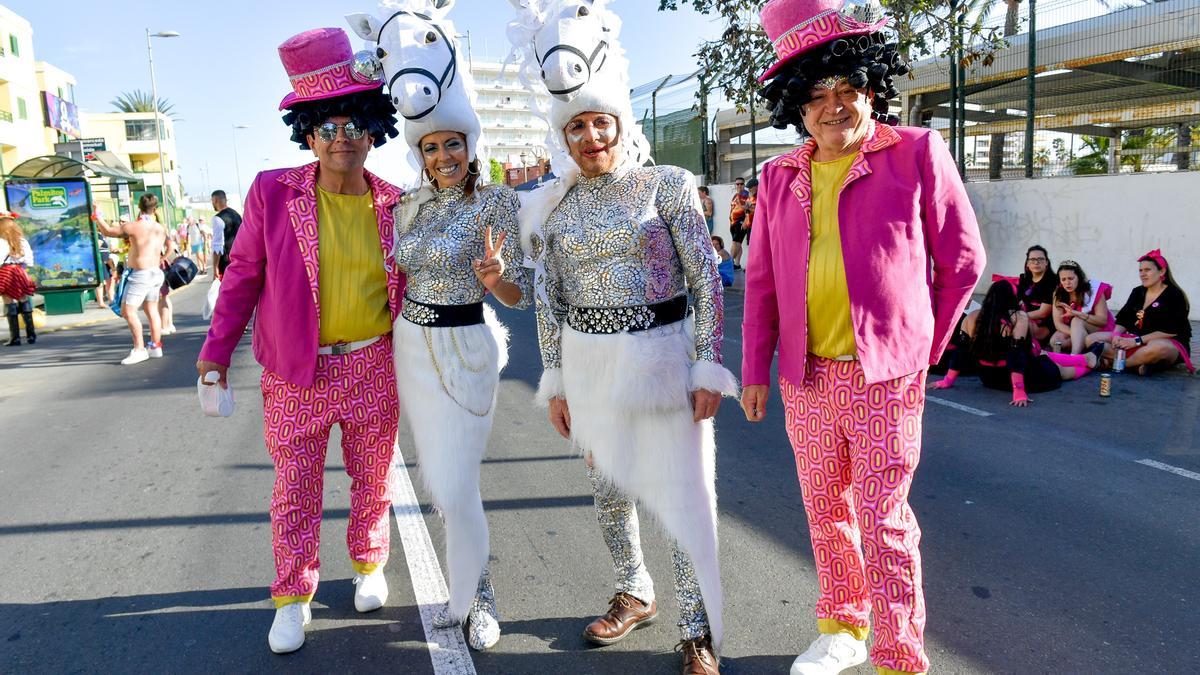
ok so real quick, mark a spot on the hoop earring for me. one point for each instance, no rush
(426, 176)
(474, 163)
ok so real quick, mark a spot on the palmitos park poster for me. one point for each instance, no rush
(55, 218)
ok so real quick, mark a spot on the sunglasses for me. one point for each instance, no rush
(328, 131)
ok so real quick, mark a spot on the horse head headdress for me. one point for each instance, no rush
(570, 49)
(424, 70)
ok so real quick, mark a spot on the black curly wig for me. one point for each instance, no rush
(866, 61)
(371, 110)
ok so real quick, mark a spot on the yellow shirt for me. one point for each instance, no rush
(830, 331)
(352, 283)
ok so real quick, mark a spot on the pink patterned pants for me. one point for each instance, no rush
(358, 392)
(857, 446)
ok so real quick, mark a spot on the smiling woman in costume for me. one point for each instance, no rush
(457, 241)
(866, 252)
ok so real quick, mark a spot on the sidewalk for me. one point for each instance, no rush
(94, 314)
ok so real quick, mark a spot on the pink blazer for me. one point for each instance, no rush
(911, 247)
(273, 268)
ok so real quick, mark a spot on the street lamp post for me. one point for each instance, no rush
(236, 166)
(162, 167)
(524, 166)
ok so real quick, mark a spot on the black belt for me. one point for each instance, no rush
(607, 320)
(442, 316)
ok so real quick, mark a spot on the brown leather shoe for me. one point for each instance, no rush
(698, 657)
(625, 613)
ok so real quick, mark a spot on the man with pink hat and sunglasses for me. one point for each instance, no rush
(867, 228)
(311, 263)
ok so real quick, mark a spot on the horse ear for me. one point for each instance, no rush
(365, 25)
(440, 8)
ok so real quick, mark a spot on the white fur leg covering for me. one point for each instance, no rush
(629, 395)
(451, 440)
(713, 377)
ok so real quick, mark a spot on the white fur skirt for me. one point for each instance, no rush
(630, 400)
(447, 380)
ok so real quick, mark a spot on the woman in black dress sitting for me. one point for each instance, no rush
(1035, 290)
(996, 337)
(1153, 326)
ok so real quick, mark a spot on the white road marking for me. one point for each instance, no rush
(958, 406)
(447, 646)
(1170, 469)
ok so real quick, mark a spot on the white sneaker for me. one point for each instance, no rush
(830, 654)
(370, 591)
(169, 330)
(287, 631)
(154, 350)
(135, 356)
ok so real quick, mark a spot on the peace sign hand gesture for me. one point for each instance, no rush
(489, 270)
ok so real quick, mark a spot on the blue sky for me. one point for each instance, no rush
(224, 69)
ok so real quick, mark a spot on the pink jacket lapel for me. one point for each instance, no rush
(386, 196)
(302, 214)
(880, 137)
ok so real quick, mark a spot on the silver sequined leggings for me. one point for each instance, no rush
(618, 519)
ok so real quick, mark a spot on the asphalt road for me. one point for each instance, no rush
(134, 534)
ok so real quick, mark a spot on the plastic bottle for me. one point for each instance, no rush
(215, 400)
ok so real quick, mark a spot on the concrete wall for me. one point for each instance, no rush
(1103, 222)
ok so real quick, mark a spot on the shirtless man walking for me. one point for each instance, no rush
(147, 239)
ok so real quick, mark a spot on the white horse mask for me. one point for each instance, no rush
(570, 49)
(426, 79)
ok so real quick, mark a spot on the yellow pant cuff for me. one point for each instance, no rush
(365, 568)
(284, 600)
(889, 671)
(831, 626)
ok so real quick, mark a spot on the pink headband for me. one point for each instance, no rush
(1157, 257)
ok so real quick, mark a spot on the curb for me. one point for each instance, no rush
(95, 322)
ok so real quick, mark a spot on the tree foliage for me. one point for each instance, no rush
(922, 27)
(496, 172)
(138, 101)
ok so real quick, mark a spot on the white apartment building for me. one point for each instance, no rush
(130, 136)
(510, 126)
(21, 117)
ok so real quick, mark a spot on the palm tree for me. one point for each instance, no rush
(138, 101)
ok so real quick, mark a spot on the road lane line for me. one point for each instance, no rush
(447, 646)
(958, 406)
(1170, 469)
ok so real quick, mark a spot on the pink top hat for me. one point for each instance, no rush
(796, 26)
(320, 64)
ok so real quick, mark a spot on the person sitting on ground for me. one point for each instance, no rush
(724, 261)
(147, 241)
(1080, 308)
(1035, 290)
(1153, 326)
(997, 339)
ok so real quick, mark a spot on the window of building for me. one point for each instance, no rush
(142, 130)
(12, 44)
(138, 165)
(22, 110)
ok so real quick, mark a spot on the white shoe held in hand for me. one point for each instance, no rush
(215, 400)
(830, 654)
(287, 631)
(370, 591)
(135, 356)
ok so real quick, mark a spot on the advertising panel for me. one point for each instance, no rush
(61, 115)
(55, 216)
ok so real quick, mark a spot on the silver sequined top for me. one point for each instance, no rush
(437, 250)
(635, 236)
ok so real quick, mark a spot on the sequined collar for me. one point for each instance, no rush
(448, 194)
(604, 180)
